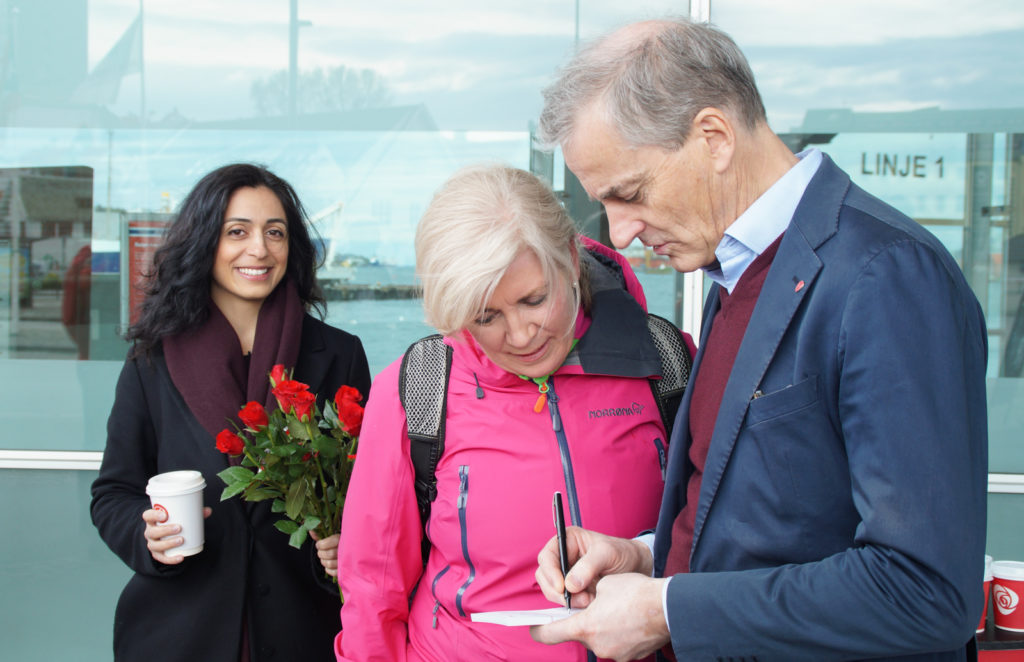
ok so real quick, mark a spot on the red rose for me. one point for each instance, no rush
(303, 403)
(347, 393)
(254, 416)
(351, 416)
(286, 392)
(277, 374)
(230, 443)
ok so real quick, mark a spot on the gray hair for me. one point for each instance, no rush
(476, 225)
(652, 79)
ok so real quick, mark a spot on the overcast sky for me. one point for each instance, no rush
(478, 68)
(482, 65)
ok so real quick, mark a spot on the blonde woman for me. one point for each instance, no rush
(549, 391)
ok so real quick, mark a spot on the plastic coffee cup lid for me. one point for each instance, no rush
(1008, 570)
(175, 482)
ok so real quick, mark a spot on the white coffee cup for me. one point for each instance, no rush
(180, 495)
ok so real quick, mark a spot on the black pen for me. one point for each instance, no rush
(563, 553)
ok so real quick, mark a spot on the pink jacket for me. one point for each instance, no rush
(501, 464)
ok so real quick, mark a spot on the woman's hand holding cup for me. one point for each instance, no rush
(160, 538)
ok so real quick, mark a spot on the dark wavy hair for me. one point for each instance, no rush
(178, 286)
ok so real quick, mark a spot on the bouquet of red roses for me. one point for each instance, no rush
(296, 455)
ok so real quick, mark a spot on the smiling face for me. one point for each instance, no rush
(252, 253)
(667, 198)
(526, 327)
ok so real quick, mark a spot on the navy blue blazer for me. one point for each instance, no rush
(842, 510)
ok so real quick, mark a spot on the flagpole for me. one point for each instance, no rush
(142, 68)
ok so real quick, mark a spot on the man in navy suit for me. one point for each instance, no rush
(826, 488)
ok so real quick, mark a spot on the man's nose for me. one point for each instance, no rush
(623, 226)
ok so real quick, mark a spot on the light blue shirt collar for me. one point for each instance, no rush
(762, 222)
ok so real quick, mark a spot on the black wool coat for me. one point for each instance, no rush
(195, 610)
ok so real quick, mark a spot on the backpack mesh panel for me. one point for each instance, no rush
(675, 359)
(425, 361)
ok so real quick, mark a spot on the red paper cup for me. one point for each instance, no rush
(1008, 595)
(988, 590)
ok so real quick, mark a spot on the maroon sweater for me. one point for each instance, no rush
(722, 345)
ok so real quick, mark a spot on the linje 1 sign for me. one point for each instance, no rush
(900, 165)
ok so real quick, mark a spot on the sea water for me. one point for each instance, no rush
(387, 327)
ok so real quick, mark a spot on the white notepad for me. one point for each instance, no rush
(527, 617)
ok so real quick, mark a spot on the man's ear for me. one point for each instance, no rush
(715, 128)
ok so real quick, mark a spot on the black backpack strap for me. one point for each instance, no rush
(675, 368)
(423, 391)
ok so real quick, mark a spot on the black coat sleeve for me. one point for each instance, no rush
(130, 458)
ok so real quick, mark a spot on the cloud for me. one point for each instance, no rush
(811, 22)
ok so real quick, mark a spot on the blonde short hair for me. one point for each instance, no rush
(476, 225)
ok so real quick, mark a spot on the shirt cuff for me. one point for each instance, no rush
(664, 603)
(648, 539)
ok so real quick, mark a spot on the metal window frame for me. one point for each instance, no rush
(90, 461)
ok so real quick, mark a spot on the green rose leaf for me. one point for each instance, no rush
(285, 450)
(297, 538)
(232, 490)
(286, 526)
(237, 479)
(233, 475)
(294, 500)
(260, 494)
(326, 446)
(330, 416)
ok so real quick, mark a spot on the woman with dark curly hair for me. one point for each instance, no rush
(228, 297)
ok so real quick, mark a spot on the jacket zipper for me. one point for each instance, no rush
(433, 592)
(662, 459)
(563, 450)
(463, 497)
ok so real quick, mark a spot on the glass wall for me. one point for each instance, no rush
(921, 107)
(110, 110)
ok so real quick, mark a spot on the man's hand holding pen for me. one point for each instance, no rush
(591, 556)
(611, 579)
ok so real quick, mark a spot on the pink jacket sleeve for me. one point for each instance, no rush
(379, 558)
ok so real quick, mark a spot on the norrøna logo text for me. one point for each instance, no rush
(634, 409)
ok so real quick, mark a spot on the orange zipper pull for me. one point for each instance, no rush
(541, 399)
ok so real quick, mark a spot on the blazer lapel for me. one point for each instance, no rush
(790, 278)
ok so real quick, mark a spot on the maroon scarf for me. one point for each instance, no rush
(209, 370)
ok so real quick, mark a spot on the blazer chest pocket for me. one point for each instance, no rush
(768, 406)
(795, 475)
